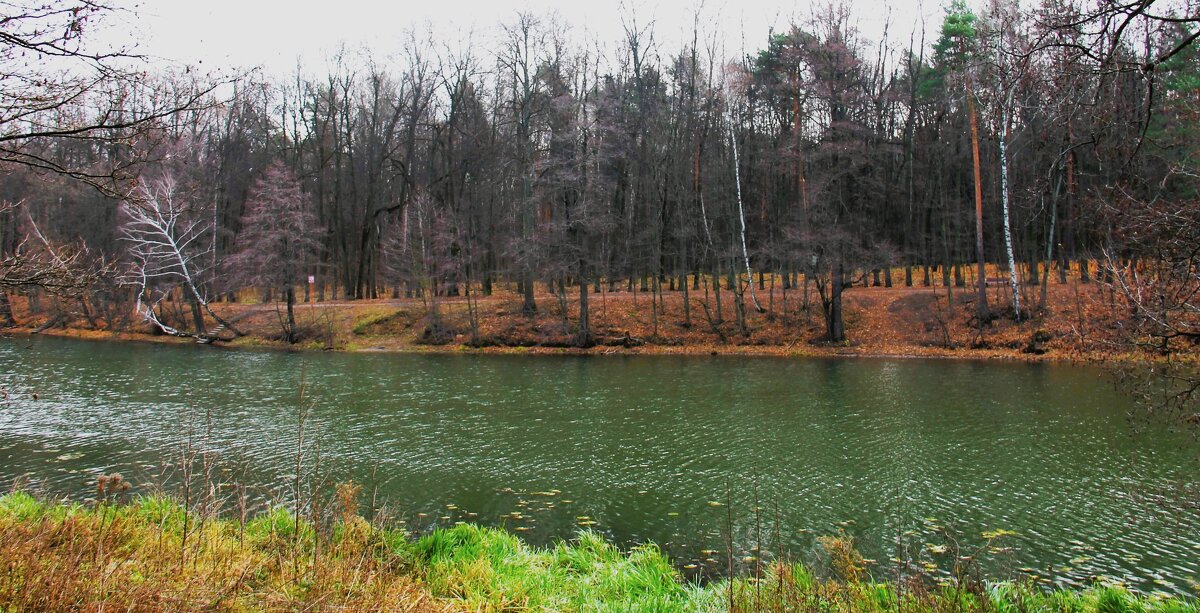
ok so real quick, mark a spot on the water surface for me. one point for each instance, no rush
(678, 450)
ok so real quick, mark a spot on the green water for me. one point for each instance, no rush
(882, 449)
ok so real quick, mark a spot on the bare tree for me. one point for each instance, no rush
(280, 235)
(39, 264)
(56, 85)
(169, 251)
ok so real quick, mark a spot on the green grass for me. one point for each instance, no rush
(491, 570)
(364, 323)
(59, 556)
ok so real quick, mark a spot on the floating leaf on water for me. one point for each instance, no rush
(714, 503)
(522, 528)
(643, 492)
(672, 514)
(67, 457)
(1080, 559)
(567, 501)
(995, 534)
(691, 566)
(709, 552)
(451, 507)
(422, 515)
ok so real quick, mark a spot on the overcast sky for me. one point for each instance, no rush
(274, 34)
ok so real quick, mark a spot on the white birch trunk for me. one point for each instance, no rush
(1013, 273)
(737, 175)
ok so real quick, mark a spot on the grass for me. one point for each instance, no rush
(364, 323)
(150, 554)
(138, 557)
(491, 570)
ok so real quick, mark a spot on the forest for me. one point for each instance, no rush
(1019, 182)
(1010, 147)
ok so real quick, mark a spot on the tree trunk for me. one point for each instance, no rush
(585, 331)
(6, 315)
(1014, 275)
(290, 292)
(737, 174)
(835, 327)
(981, 307)
(528, 306)
(1050, 247)
(716, 280)
(197, 316)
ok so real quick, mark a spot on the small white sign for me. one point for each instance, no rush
(312, 279)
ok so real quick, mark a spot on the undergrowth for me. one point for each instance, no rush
(151, 554)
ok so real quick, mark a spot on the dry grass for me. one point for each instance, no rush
(135, 558)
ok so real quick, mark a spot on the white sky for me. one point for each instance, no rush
(275, 34)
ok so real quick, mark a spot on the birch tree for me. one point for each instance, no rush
(1009, 60)
(169, 252)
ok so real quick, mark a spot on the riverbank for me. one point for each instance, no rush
(1076, 324)
(149, 554)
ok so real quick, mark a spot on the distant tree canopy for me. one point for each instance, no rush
(823, 159)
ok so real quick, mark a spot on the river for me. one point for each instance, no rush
(675, 450)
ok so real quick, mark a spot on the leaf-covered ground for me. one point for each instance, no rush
(1077, 322)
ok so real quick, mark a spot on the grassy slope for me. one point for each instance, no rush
(135, 557)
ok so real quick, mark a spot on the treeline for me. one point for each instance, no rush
(1045, 138)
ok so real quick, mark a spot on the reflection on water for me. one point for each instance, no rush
(647, 448)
